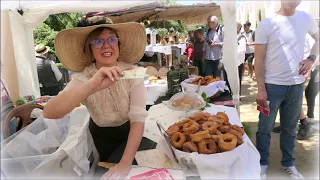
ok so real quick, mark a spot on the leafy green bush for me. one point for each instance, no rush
(247, 129)
(59, 64)
(43, 34)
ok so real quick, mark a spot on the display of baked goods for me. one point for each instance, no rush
(205, 133)
(153, 79)
(204, 81)
(186, 101)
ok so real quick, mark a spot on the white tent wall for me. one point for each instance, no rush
(24, 56)
(229, 58)
(21, 31)
(8, 65)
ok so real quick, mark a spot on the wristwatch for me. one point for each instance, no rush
(312, 58)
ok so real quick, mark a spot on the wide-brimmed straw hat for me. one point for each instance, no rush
(41, 49)
(70, 43)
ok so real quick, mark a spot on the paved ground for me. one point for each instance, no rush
(306, 152)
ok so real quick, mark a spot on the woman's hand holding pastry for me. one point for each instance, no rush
(105, 77)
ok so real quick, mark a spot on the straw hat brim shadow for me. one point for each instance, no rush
(69, 44)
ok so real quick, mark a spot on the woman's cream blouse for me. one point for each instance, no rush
(114, 106)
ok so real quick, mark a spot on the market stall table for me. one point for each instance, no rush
(154, 91)
(178, 49)
(246, 163)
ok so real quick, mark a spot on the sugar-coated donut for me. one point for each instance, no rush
(172, 129)
(190, 147)
(178, 139)
(197, 137)
(207, 146)
(191, 127)
(227, 142)
(211, 126)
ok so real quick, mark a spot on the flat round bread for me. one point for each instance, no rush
(152, 71)
(163, 72)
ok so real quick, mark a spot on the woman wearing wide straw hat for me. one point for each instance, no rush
(99, 54)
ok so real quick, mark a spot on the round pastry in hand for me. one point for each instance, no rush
(207, 146)
(190, 147)
(178, 139)
(227, 142)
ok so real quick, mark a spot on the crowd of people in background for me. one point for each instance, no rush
(281, 54)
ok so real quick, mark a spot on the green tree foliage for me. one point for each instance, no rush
(46, 32)
(43, 34)
(62, 21)
(175, 24)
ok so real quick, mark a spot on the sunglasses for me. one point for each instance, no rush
(98, 43)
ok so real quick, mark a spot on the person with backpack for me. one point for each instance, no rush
(48, 73)
(250, 36)
(213, 47)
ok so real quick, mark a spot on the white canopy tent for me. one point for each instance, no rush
(17, 44)
(18, 57)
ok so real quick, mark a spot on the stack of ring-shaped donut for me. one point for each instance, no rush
(227, 142)
(204, 133)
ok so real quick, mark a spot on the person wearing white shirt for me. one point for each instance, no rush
(241, 50)
(311, 92)
(250, 36)
(280, 69)
(48, 73)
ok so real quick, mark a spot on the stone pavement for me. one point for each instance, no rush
(306, 151)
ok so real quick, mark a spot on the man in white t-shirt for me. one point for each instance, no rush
(280, 69)
(311, 92)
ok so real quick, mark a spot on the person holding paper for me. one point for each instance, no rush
(100, 52)
(280, 69)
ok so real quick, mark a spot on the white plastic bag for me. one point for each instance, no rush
(69, 141)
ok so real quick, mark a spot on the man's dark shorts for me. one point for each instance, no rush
(249, 58)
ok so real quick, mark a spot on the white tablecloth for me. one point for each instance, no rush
(183, 47)
(165, 49)
(154, 91)
(245, 159)
(160, 49)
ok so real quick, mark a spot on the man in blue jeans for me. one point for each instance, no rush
(213, 48)
(280, 69)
